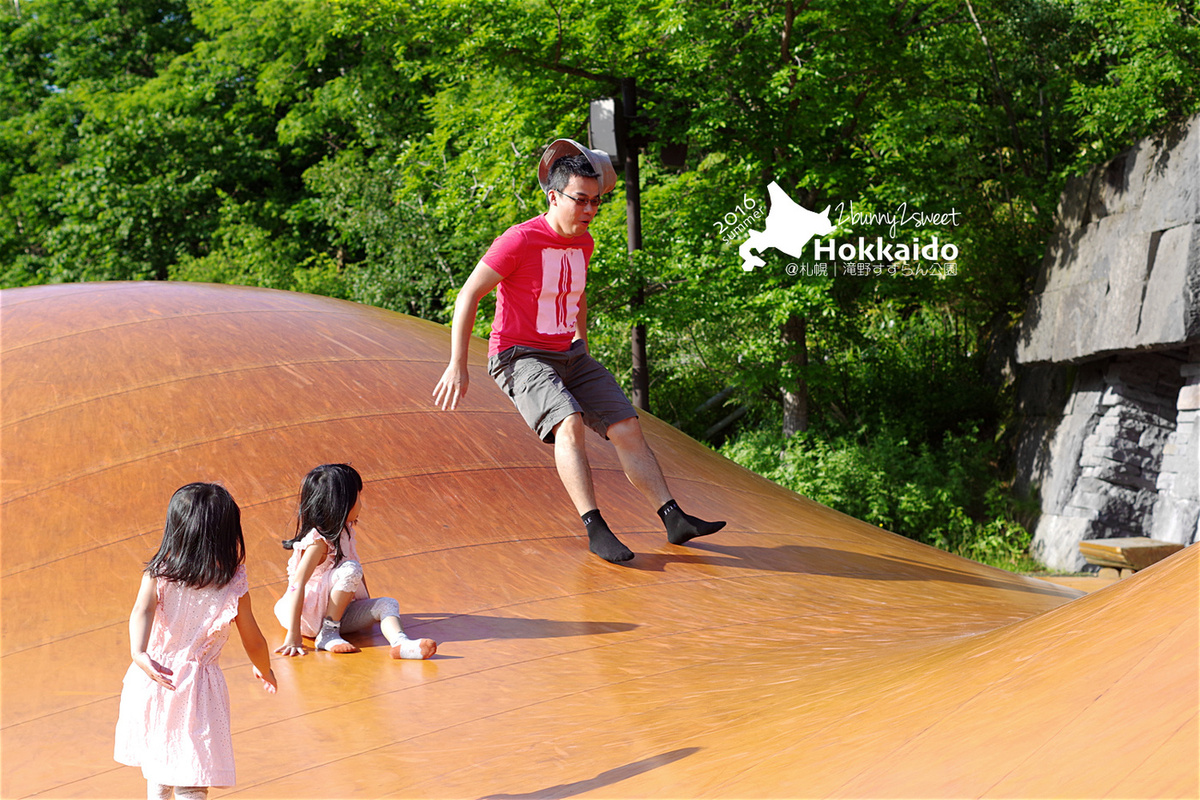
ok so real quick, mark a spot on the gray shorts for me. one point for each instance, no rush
(548, 386)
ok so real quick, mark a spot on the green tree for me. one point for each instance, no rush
(1140, 72)
(370, 149)
(59, 61)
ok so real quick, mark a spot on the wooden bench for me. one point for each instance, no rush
(1126, 556)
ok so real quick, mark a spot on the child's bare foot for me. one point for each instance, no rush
(421, 648)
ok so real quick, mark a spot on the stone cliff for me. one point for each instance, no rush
(1109, 355)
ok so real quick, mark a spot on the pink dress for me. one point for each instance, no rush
(316, 591)
(182, 737)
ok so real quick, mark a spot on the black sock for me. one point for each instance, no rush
(601, 540)
(683, 527)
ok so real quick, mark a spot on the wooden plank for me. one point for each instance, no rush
(1132, 552)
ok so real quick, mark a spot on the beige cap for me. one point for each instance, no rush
(601, 163)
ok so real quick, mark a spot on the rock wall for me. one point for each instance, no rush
(1109, 348)
(1122, 270)
(1177, 509)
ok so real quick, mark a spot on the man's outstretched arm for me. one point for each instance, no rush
(452, 386)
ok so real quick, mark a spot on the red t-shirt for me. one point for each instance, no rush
(537, 302)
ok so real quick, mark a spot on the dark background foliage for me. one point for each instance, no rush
(371, 149)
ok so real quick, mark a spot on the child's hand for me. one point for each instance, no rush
(290, 647)
(268, 680)
(156, 671)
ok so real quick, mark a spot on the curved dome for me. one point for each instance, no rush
(799, 652)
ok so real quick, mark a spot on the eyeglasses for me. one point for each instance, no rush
(594, 202)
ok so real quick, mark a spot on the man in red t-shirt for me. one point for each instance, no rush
(537, 351)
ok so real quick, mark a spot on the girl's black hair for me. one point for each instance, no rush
(326, 497)
(202, 542)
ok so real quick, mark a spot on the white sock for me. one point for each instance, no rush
(406, 647)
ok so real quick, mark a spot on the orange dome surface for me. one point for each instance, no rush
(798, 653)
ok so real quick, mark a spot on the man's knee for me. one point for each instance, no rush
(570, 430)
(626, 434)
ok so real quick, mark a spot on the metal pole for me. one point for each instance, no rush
(640, 376)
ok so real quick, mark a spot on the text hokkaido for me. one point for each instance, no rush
(881, 251)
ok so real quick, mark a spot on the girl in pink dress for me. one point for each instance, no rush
(327, 593)
(174, 717)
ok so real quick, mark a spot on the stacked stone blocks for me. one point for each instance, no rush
(1116, 321)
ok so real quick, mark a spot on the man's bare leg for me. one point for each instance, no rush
(638, 461)
(570, 457)
(643, 471)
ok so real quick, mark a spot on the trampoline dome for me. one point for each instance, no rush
(798, 653)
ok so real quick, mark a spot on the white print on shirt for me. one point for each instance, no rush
(563, 276)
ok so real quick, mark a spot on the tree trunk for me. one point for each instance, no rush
(640, 373)
(795, 398)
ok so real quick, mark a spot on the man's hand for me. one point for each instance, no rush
(452, 387)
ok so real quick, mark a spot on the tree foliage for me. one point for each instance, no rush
(370, 149)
